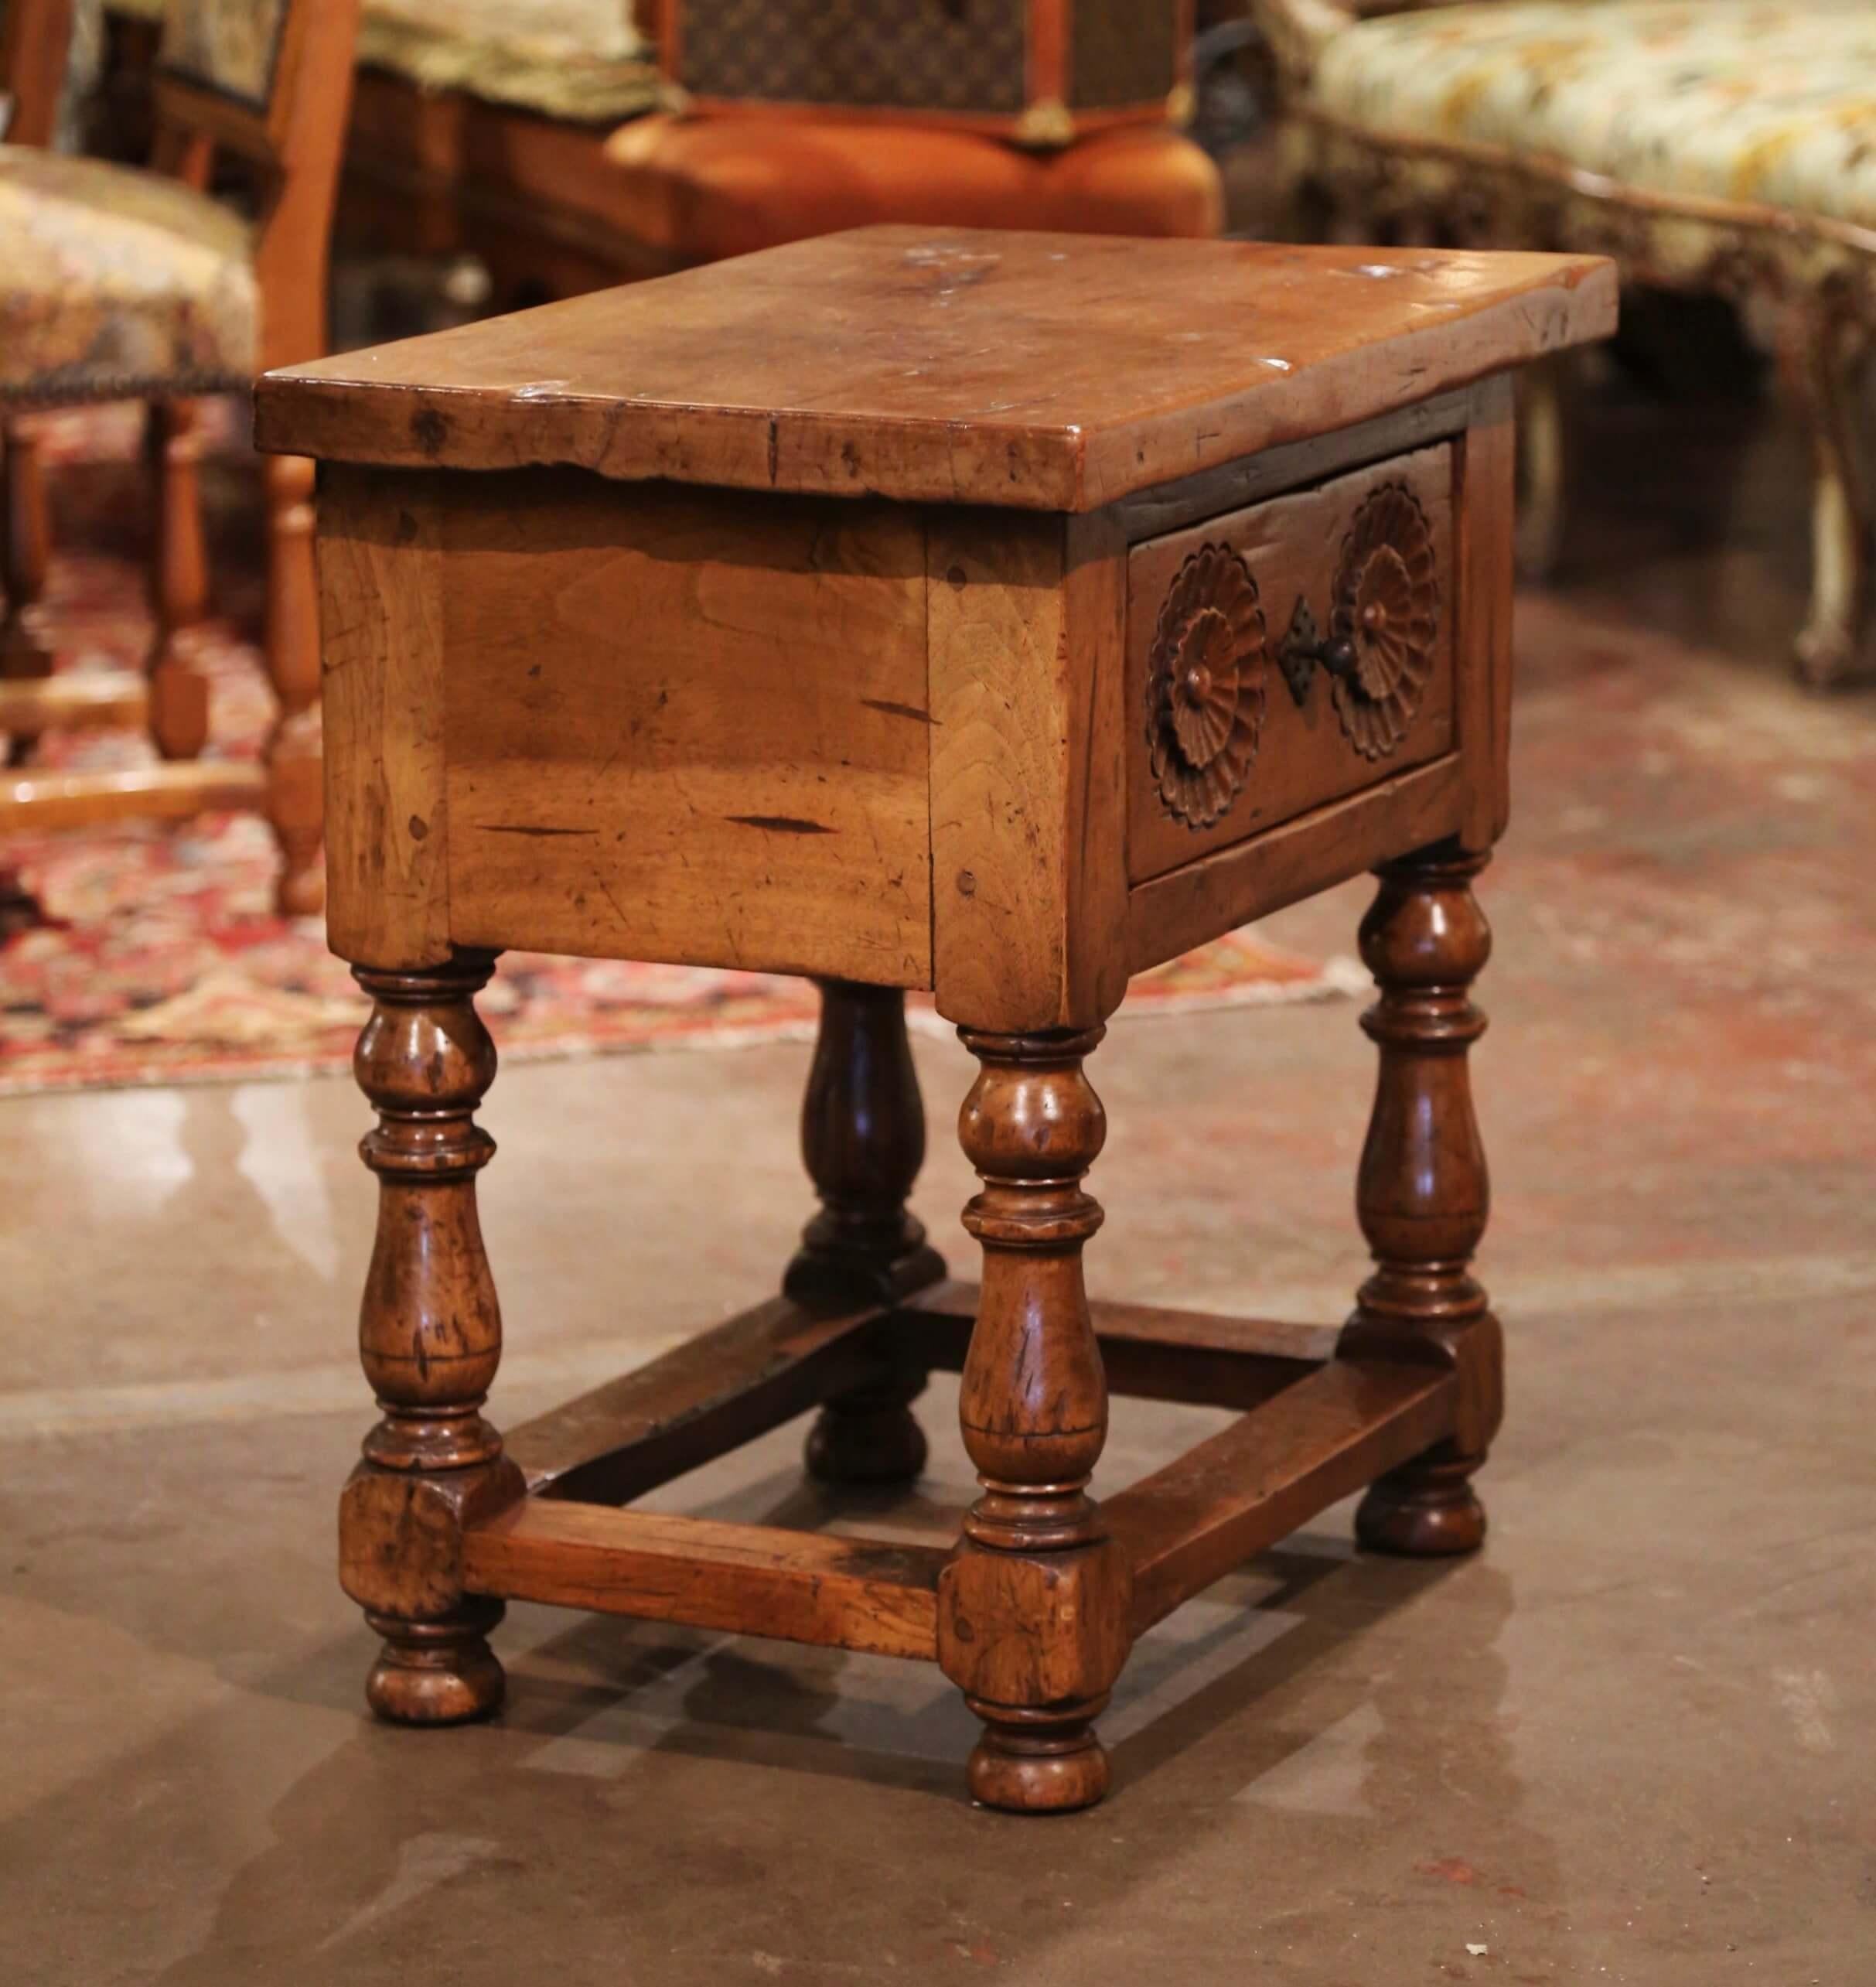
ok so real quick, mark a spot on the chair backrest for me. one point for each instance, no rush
(270, 81)
(36, 38)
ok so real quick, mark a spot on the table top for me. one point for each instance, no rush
(1051, 372)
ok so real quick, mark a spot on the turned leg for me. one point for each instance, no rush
(1032, 1611)
(863, 1138)
(26, 550)
(294, 804)
(430, 1337)
(1421, 1194)
(1822, 357)
(178, 582)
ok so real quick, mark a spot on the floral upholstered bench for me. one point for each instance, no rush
(1721, 144)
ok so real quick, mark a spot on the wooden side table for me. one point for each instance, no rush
(1000, 614)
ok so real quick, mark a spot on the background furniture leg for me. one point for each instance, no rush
(1422, 1194)
(26, 548)
(1822, 357)
(178, 691)
(1033, 1612)
(294, 803)
(429, 1334)
(1542, 469)
(863, 1139)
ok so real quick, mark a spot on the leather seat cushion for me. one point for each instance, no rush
(698, 189)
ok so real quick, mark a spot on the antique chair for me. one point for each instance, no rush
(34, 42)
(515, 130)
(1729, 147)
(479, 127)
(126, 284)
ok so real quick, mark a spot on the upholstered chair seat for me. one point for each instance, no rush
(1719, 146)
(1764, 104)
(118, 284)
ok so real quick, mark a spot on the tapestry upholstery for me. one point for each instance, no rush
(229, 45)
(118, 284)
(583, 60)
(1752, 102)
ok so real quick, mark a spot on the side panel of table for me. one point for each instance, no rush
(627, 721)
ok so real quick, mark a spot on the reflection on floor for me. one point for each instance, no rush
(1632, 1741)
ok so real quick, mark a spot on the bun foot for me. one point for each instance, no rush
(436, 1672)
(1050, 1770)
(866, 1445)
(1431, 1514)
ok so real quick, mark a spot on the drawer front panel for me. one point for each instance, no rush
(1346, 590)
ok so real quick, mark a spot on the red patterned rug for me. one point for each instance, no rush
(160, 961)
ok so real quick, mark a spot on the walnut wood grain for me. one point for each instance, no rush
(700, 1400)
(1170, 507)
(686, 728)
(846, 1593)
(1254, 1482)
(1027, 621)
(1033, 1606)
(891, 741)
(1148, 1352)
(1423, 1193)
(863, 1142)
(1486, 529)
(1033, 371)
(429, 1340)
(380, 571)
(1168, 915)
(1289, 548)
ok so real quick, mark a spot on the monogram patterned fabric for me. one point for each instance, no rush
(909, 55)
(229, 45)
(1747, 101)
(115, 283)
(1123, 51)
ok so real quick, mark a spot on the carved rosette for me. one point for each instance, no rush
(1387, 609)
(1206, 686)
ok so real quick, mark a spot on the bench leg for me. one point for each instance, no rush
(1822, 359)
(863, 1140)
(1422, 1194)
(430, 1338)
(1033, 1609)
(1542, 468)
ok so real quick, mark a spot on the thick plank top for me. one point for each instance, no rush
(1043, 371)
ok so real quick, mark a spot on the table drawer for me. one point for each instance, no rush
(1235, 723)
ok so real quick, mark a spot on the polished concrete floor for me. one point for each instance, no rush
(1635, 1741)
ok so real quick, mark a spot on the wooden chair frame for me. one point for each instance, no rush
(293, 144)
